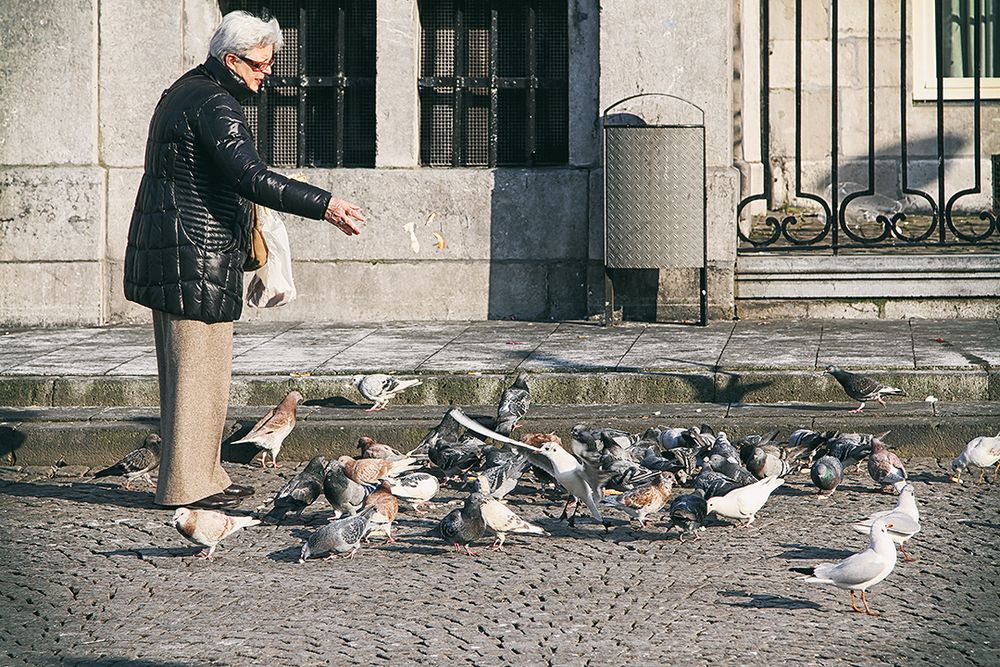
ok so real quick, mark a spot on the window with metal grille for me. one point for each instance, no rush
(493, 82)
(317, 109)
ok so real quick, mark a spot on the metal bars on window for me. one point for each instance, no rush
(317, 109)
(925, 209)
(493, 82)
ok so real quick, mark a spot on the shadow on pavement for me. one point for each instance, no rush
(764, 601)
(118, 660)
(802, 551)
(97, 494)
(152, 552)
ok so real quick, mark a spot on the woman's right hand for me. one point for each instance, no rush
(342, 215)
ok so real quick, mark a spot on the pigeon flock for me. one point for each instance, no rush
(686, 473)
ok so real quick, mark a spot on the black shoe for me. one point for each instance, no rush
(216, 501)
(238, 490)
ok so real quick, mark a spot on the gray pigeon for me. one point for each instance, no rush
(138, 463)
(687, 513)
(885, 467)
(454, 457)
(380, 388)
(300, 492)
(463, 526)
(344, 494)
(502, 477)
(862, 388)
(723, 447)
(513, 406)
(714, 483)
(827, 473)
(338, 538)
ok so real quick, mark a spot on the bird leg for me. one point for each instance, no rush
(858, 409)
(350, 554)
(274, 460)
(418, 508)
(982, 475)
(470, 551)
(995, 470)
(207, 553)
(907, 557)
(572, 518)
(263, 459)
(880, 400)
(868, 609)
(498, 544)
(854, 604)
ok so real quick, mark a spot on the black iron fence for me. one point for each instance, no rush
(847, 216)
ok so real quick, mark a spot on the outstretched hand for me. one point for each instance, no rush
(342, 214)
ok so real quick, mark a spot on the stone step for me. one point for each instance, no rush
(99, 436)
(752, 385)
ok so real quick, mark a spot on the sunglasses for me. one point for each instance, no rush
(256, 65)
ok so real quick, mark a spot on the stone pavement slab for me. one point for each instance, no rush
(94, 575)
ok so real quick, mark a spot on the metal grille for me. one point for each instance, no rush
(493, 82)
(655, 192)
(996, 184)
(317, 109)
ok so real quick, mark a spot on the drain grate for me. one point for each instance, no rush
(996, 184)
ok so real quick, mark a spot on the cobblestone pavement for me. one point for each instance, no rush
(94, 575)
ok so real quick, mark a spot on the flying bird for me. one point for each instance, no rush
(981, 452)
(862, 388)
(380, 388)
(207, 528)
(137, 464)
(513, 406)
(860, 571)
(270, 432)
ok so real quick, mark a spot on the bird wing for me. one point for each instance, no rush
(140, 460)
(853, 570)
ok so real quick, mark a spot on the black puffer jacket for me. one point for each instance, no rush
(189, 235)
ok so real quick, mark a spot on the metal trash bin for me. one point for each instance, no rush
(654, 190)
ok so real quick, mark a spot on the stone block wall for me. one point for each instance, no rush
(83, 77)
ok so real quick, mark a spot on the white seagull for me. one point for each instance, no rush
(905, 519)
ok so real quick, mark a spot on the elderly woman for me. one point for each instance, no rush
(188, 243)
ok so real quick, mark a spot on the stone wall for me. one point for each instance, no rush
(81, 82)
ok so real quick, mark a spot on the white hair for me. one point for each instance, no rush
(241, 32)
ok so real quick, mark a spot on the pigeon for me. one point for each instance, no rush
(371, 471)
(138, 463)
(417, 488)
(645, 500)
(344, 494)
(513, 406)
(207, 528)
(862, 388)
(338, 538)
(463, 525)
(270, 432)
(862, 570)
(723, 447)
(746, 501)
(687, 513)
(591, 443)
(380, 388)
(500, 520)
(583, 483)
(905, 519)
(670, 438)
(827, 473)
(454, 457)
(885, 467)
(981, 452)
(448, 430)
(502, 477)
(370, 449)
(300, 492)
(714, 483)
(732, 469)
(386, 508)
(849, 448)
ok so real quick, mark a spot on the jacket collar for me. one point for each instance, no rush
(226, 78)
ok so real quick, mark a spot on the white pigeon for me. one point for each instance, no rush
(862, 570)
(207, 528)
(744, 502)
(270, 432)
(500, 520)
(417, 488)
(981, 452)
(380, 388)
(905, 519)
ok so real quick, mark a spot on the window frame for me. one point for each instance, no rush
(924, 46)
(459, 82)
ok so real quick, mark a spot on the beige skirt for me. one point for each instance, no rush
(194, 361)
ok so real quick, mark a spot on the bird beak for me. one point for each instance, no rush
(473, 425)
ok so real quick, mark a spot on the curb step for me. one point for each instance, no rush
(35, 436)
